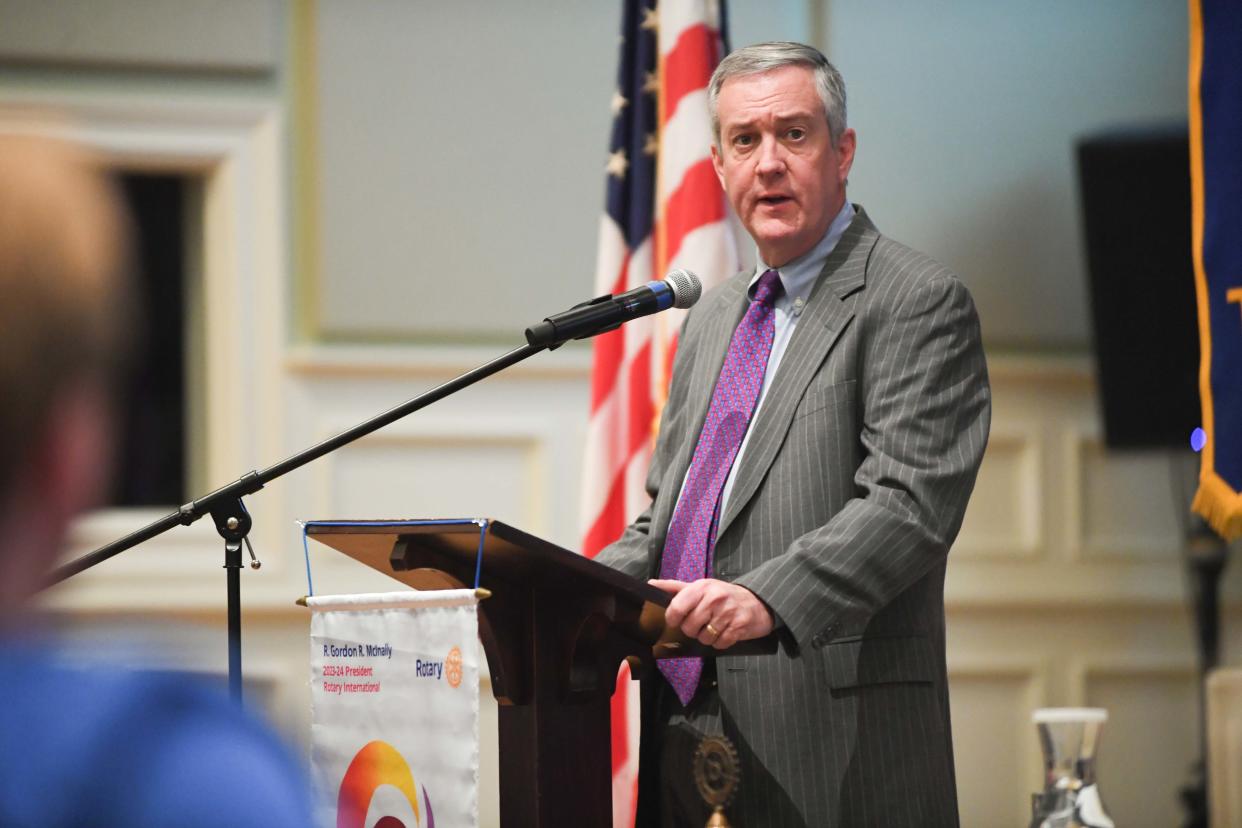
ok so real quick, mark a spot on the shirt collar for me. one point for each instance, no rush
(798, 276)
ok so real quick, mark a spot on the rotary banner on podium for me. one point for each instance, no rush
(395, 709)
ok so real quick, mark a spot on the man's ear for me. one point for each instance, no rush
(71, 462)
(846, 146)
(61, 475)
(718, 165)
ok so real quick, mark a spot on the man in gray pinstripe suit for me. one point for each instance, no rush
(834, 523)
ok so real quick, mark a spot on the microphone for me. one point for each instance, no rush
(680, 289)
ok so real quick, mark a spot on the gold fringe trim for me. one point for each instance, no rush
(1220, 506)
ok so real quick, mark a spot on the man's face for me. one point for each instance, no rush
(777, 162)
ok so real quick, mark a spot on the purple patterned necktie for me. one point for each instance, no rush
(692, 532)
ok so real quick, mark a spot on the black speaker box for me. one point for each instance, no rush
(1135, 190)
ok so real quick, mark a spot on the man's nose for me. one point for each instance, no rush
(771, 158)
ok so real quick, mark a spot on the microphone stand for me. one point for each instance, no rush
(233, 522)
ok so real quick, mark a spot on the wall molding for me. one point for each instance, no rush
(234, 151)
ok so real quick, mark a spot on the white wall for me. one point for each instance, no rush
(967, 113)
(461, 161)
(460, 193)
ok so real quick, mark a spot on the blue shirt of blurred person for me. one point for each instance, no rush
(102, 746)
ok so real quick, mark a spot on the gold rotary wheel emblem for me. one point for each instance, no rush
(716, 771)
(452, 667)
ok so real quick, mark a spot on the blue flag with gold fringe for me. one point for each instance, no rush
(1216, 191)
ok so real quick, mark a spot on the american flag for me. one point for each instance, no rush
(665, 210)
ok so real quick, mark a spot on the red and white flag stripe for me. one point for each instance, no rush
(631, 365)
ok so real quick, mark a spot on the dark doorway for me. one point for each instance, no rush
(151, 455)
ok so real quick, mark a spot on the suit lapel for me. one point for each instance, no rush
(829, 310)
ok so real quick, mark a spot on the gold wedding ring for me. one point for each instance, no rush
(713, 630)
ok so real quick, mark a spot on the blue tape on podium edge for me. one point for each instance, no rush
(310, 587)
(478, 561)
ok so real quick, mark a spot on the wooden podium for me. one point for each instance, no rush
(555, 631)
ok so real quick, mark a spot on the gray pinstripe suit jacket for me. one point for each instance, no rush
(851, 490)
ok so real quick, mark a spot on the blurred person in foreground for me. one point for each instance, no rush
(98, 744)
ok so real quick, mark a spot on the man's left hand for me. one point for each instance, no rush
(732, 612)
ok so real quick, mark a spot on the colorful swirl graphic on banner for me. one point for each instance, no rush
(378, 763)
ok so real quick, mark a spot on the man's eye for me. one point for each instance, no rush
(742, 140)
(797, 133)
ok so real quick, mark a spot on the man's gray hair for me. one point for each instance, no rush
(764, 57)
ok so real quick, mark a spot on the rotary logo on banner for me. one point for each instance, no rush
(395, 709)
